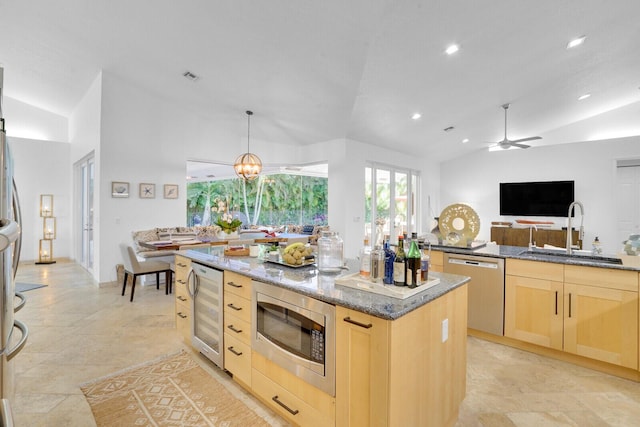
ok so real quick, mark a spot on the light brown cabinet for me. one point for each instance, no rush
(520, 237)
(405, 372)
(587, 311)
(183, 300)
(237, 327)
(436, 262)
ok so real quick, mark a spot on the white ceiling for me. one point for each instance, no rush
(318, 70)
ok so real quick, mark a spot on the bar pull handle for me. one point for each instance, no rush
(291, 411)
(233, 307)
(237, 331)
(233, 350)
(233, 284)
(556, 303)
(569, 304)
(183, 316)
(181, 264)
(354, 322)
(181, 298)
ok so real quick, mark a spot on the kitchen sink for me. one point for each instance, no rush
(560, 255)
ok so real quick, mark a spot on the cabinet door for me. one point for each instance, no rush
(533, 311)
(436, 263)
(362, 365)
(601, 324)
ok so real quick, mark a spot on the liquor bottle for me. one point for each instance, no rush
(389, 258)
(426, 259)
(365, 260)
(377, 264)
(413, 265)
(400, 265)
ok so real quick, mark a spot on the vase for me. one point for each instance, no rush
(223, 235)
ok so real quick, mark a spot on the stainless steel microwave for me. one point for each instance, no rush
(296, 332)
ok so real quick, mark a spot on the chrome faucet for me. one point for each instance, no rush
(531, 243)
(580, 232)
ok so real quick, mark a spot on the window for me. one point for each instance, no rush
(279, 196)
(391, 202)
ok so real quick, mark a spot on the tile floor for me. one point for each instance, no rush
(79, 332)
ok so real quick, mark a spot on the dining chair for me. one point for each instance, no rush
(137, 268)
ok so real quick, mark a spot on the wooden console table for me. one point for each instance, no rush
(520, 236)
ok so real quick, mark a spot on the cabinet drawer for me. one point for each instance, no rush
(238, 306)
(535, 269)
(236, 327)
(237, 359)
(183, 265)
(182, 296)
(237, 284)
(287, 404)
(602, 277)
(183, 321)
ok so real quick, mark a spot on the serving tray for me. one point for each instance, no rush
(401, 292)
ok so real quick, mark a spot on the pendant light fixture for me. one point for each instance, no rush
(248, 166)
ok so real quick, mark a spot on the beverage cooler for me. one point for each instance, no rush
(13, 333)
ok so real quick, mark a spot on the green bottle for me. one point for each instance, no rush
(414, 263)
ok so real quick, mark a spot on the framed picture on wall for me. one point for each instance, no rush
(119, 189)
(147, 191)
(170, 191)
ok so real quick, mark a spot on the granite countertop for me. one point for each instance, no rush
(542, 255)
(308, 281)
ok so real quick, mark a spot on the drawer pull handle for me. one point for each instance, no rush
(233, 307)
(182, 282)
(181, 298)
(354, 322)
(237, 331)
(184, 316)
(235, 285)
(569, 304)
(291, 411)
(181, 264)
(233, 350)
(556, 303)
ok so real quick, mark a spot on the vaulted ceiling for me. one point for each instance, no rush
(358, 69)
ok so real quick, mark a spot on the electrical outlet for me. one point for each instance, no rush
(445, 330)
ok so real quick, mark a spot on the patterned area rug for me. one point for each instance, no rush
(173, 391)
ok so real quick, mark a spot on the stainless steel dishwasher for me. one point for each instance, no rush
(486, 289)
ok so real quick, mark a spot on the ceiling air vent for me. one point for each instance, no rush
(190, 76)
(449, 129)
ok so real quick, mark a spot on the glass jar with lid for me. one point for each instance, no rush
(330, 252)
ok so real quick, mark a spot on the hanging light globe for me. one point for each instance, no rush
(248, 166)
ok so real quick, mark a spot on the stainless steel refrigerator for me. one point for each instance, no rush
(13, 333)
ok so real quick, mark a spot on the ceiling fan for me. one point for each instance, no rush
(507, 143)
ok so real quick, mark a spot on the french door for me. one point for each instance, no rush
(85, 177)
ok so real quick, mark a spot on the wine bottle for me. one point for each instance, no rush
(413, 265)
(389, 258)
(400, 265)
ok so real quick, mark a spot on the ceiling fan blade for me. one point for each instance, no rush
(531, 138)
(514, 144)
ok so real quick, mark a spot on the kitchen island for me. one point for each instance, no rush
(397, 361)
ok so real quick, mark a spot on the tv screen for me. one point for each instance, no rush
(548, 198)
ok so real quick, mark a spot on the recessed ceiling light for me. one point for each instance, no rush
(452, 49)
(585, 96)
(576, 42)
(464, 141)
(416, 116)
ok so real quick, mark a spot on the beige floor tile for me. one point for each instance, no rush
(80, 332)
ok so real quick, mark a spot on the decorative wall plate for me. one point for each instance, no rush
(459, 224)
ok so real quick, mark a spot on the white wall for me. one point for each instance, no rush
(84, 138)
(40, 167)
(474, 179)
(29, 122)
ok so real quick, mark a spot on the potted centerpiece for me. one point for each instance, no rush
(229, 225)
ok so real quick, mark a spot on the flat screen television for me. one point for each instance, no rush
(547, 198)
